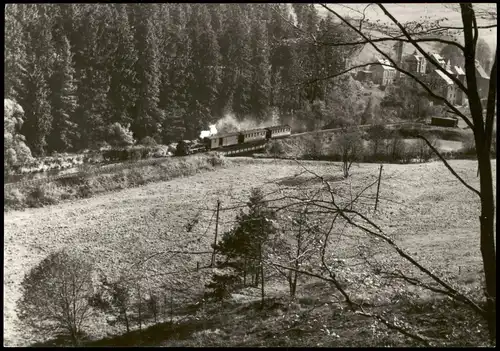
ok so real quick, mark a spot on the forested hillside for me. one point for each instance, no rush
(167, 70)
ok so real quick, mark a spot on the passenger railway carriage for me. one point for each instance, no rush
(278, 132)
(248, 136)
(252, 135)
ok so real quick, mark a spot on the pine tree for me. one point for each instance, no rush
(244, 245)
(147, 114)
(14, 50)
(175, 59)
(35, 90)
(64, 132)
(310, 55)
(38, 111)
(261, 80)
(287, 88)
(123, 81)
(204, 69)
(236, 53)
(94, 49)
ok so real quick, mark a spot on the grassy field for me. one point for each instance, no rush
(422, 205)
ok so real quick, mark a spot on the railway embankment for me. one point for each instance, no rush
(85, 184)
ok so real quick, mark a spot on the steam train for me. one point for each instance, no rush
(223, 141)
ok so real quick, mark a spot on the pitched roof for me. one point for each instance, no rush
(444, 76)
(413, 57)
(438, 58)
(385, 64)
(459, 71)
(481, 72)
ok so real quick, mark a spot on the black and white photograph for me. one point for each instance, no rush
(250, 174)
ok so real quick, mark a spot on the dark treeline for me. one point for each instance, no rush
(167, 70)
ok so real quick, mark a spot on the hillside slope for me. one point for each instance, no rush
(423, 205)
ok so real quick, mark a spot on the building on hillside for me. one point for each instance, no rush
(364, 75)
(439, 59)
(444, 84)
(460, 97)
(483, 81)
(383, 73)
(482, 78)
(415, 64)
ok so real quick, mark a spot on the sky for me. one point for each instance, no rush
(406, 12)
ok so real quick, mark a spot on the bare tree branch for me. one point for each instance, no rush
(357, 308)
(429, 90)
(398, 328)
(403, 254)
(337, 74)
(375, 40)
(422, 51)
(448, 165)
(379, 234)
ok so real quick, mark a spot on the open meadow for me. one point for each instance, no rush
(422, 206)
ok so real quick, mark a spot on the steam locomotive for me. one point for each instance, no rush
(224, 141)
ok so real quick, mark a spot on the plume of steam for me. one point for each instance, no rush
(206, 133)
(229, 123)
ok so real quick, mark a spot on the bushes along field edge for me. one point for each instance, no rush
(88, 185)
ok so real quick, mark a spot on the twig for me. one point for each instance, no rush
(448, 165)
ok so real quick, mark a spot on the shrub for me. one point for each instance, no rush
(275, 148)
(120, 136)
(410, 153)
(136, 177)
(160, 151)
(217, 160)
(397, 147)
(15, 151)
(14, 199)
(38, 197)
(148, 141)
(313, 147)
(135, 154)
(377, 132)
(146, 152)
(84, 185)
(423, 151)
(221, 286)
(84, 191)
(73, 180)
(349, 146)
(55, 296)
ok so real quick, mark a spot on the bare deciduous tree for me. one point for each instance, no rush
(350, 146)
(56, 296)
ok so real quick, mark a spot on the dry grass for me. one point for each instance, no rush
(422, 205)
(127, 175)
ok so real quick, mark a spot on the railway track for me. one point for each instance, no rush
(92, 171)
(364, 127)
(226, 152)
